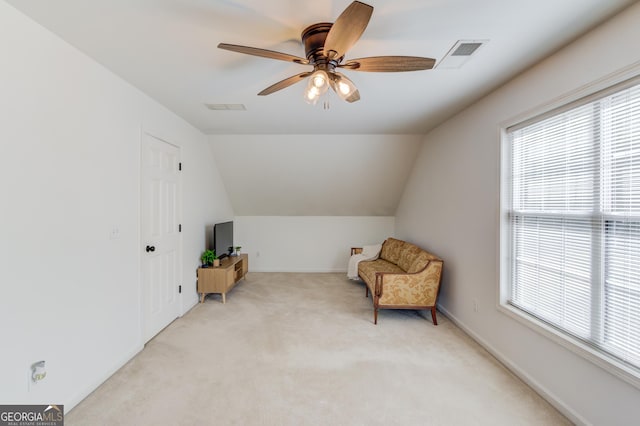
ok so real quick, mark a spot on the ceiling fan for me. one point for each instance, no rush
(325, 46)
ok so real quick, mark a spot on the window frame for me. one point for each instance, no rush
(603, 87)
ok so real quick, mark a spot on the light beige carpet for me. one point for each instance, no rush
(302, 349)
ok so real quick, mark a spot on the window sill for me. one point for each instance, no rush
(602, 360)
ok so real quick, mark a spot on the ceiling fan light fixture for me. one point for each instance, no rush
(343, 86)
(344, 89)
(320, 80)
(311, 95)
(317, 86)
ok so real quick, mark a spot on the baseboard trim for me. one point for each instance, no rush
(550, 397)
(78, 397)
(303, 271)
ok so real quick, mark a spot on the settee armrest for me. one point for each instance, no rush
(356, 250)
(419, 289)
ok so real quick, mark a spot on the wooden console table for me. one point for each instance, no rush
(222, 278)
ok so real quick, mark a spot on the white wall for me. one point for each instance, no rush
(205, 202)
(306, 243)
(451, 206)
(70, 135)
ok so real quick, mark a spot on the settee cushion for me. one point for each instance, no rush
(420, 261)
(392, 250)
(408, 255)
(368, 269)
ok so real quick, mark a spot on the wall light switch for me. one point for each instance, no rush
(114, 234)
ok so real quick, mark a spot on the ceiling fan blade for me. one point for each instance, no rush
(347, 29)
(271, 54)
(389, 64)
(284, 83)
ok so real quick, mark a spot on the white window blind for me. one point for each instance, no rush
(574, 221)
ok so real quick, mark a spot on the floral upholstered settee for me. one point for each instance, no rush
(404, 276)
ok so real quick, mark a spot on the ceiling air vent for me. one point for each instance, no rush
(226, 107)
(466, 49)
(460, 53)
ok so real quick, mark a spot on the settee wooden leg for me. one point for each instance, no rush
(366, 291)
(433, 315)
(375, 316)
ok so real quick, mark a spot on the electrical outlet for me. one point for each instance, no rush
(37, 372)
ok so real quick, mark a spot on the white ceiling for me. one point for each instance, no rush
(275, 158)
(167, 48)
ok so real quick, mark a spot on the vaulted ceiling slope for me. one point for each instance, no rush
(315, 175)
(167, 48)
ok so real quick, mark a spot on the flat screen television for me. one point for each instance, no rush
(223, 239)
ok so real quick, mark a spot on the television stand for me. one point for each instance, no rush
(221, 279)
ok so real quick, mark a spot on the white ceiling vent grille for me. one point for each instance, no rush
(226, 107)
(460, 53)
(466, 49)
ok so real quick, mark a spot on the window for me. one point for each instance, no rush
(574, 221)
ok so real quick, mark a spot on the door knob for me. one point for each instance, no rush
(150, 248)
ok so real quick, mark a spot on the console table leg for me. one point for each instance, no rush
(224, 298)
(201, 297)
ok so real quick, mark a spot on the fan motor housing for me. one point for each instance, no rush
(313, 38)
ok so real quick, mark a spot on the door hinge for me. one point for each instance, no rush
(179, 289)
(180, 227)
(180, 166)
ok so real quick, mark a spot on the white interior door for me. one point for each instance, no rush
(160, 192)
